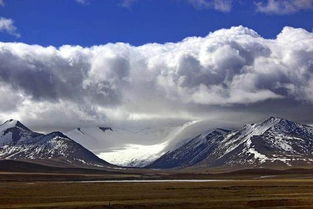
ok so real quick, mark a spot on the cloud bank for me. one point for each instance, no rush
(230, 70)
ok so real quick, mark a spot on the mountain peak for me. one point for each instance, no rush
(105, 128)
(271, 121)
(273, 118)
(57, 134)
(280, 121)
(11, 123)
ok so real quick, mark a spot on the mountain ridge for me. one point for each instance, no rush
(274, 142)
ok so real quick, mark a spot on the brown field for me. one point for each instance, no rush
(263, 193)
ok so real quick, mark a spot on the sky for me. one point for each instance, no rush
(74, 63)
(96, 22)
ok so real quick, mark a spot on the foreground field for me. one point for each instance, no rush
(263, 193)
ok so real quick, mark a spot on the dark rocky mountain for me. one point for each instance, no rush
(17, 142)
(273, 143)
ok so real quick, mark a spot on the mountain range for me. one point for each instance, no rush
(273, 143)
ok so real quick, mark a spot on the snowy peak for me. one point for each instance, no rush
(290, 127)
(279, 126)
(57, 134)
(54, 136)
(13, 124)
(257, 129)
(272, 119)
(275, 121)
(13, 132)
(283, 124)
(270, 122)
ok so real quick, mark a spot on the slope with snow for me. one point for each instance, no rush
(194, 151)
(134, 155)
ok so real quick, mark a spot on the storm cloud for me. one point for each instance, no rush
(230, 71)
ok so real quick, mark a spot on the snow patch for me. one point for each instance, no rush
(134, 155)
(262, 158)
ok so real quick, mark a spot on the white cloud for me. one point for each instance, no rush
(229, 71)
(221, 5)
(83, 2)
(282, 7)
(7, 25)
(1, 2)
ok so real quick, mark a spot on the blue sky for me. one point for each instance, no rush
(95, 22)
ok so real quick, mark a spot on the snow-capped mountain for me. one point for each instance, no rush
(275, 142)
(17, 142)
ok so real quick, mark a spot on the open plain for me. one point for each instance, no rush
(260, 193)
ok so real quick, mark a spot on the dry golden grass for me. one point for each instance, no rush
(266, 193)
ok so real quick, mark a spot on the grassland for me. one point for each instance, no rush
(262, 193)
(29, 186)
